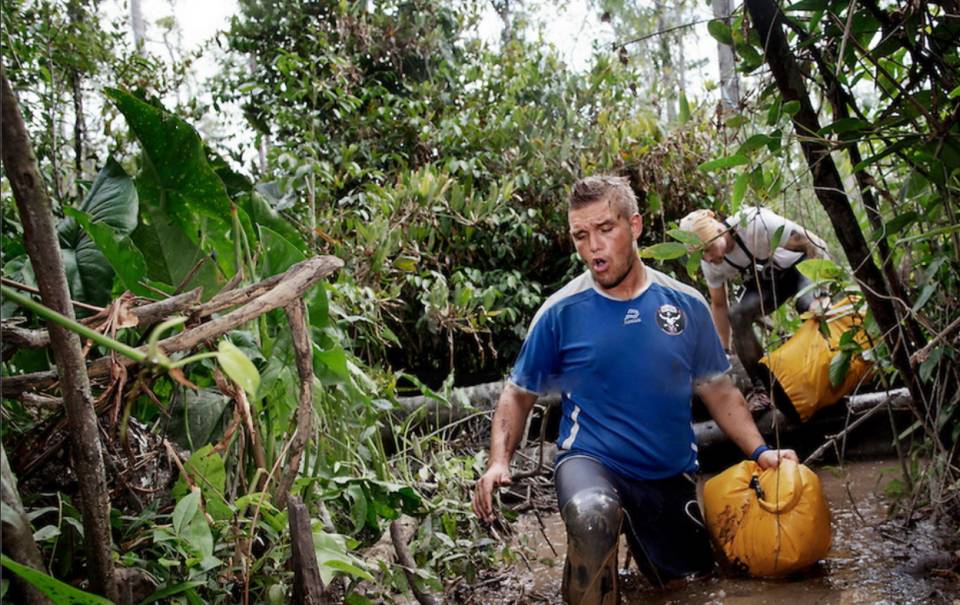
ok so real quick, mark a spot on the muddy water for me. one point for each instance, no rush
(872, 559)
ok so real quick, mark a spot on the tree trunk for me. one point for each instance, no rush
(18, 541)
(77, 16)
(767, 20)
(138, 25)
(729, 82)
(40, 239)
(668, 90)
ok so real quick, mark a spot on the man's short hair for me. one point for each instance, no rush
(614, 189)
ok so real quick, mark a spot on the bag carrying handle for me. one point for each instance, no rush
(790, 474)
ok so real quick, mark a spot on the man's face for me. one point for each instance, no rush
(605, 241)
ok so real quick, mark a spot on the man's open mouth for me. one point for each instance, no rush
(599, 264)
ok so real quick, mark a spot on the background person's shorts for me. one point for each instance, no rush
(664, 526)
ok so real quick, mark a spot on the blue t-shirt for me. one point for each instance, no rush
(625, 372)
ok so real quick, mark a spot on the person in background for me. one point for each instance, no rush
(762, 248)
(625, 346)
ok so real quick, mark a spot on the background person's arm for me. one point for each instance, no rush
(726, 405)
(509, 421)
(721, 314)
(803, 240)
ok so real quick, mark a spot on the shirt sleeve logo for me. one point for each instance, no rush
(671, 320)
(632, 317)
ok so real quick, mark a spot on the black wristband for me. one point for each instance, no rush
(755, 456)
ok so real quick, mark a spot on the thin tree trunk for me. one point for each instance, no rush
(18, 541)
(767, 20)
(729, 82)
(79, 127)
(138, 25)
(40, 239)
(668, 92)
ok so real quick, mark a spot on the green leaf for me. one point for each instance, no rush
(775, 240)
(839, 366)
(238, 367)
(332, 555)
(844, 125)
(121, 253)
(898, 223)
(820, 269)
(739, 189)
(755, 142)
(720, 31)
(113, 203)
(686, 237)
(953, 94)
(684, 108)
(358, 505)
(192, 193)
(170, 591)
(185, 510)
(736, 121)
(791, 108)
(730, 161)
(279, 253)
(809, 5)
(207, 469)
(171, 255)
(58, 592)
(664, 251)
(331, 365)
(260, 206)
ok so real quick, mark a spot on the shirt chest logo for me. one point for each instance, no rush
(670, 319)
(632, 317)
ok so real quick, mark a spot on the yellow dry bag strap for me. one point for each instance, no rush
(791, 485)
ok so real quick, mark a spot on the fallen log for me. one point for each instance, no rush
(463, 402)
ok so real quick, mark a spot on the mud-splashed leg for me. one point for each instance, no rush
(593, 518)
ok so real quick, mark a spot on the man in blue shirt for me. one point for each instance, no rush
(625, 346)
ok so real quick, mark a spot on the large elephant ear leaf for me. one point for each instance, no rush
(112, 203)
(189, 189)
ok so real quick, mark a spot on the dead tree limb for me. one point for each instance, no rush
(147, 315)
(307, 584)
(288, 287)
(405, 559)
(43, 249)
(18, 541)
(300, 329)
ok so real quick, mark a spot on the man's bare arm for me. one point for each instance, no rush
(509, 420)
(726, 405)
(806, 242)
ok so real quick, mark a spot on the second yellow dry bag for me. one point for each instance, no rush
(768, 523)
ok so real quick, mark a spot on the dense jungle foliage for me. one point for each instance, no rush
(435, 164)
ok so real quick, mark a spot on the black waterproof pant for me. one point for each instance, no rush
(763, 293)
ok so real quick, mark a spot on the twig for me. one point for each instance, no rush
(15, 284)
(921, 355)
(659, 33)
(405, 559)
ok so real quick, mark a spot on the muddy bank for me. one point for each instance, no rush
(873, 559)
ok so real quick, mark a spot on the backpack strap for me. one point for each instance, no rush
(736, 238)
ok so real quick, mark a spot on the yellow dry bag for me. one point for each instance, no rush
(802, 364)
(768, 523)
